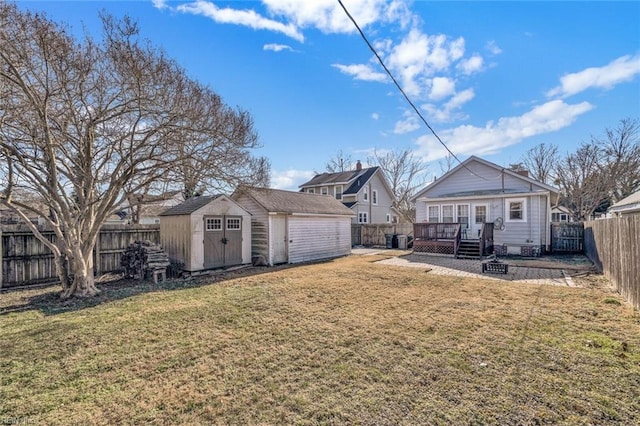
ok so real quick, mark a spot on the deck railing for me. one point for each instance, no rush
(441, 238)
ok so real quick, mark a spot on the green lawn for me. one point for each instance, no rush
(346, 342)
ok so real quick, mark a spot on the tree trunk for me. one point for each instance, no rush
(83, 283)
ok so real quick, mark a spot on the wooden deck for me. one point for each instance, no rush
(446, 238)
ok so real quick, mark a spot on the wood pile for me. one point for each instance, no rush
(142, 257)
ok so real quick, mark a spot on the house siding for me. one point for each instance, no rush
(479, 177)
(377, 213)
(313, 238)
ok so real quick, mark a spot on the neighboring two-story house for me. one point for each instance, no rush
(363, 190)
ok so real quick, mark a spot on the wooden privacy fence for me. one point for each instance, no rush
(613, 245)
(26, 260)
(567, 237)
(375, 235)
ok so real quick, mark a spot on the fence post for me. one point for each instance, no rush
(96, 254)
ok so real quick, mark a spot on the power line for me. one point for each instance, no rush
(364, 37)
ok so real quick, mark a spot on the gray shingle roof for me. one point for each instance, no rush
(189, 206)
(357, 179)
(279, 201)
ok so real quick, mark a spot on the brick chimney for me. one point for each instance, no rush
(358, 166)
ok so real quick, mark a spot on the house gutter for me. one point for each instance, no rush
(548, 223)
(482, 197)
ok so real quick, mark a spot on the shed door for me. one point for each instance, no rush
(279, 239)
(222, 241)
(233, 238)
(213, 242)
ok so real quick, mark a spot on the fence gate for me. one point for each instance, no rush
(567, 237)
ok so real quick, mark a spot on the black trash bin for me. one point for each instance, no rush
(389, 240)
(394, 241)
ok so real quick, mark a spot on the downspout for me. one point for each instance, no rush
(547, 223)
(370, 203)
(502, 176)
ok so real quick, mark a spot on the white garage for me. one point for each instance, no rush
(293, 227)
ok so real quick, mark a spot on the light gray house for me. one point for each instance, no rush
(206, 232)
(492, 204)
(293, 227)
(627, 206)
(365, 191)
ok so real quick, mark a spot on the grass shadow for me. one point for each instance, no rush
(47, 299)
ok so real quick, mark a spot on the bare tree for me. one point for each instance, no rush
(541, 161)
(84, 125)
(622, 156)
(406, 174)
(602, 171)
(583, 181)
(341, 162)
(447, 163)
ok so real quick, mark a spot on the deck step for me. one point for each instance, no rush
(469, 250)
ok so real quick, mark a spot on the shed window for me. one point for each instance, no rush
(214, 224)
(233, 223)
(434, 214)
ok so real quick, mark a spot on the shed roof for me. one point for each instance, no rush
(189, 206)
(280, 201)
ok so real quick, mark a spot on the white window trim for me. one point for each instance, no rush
(311, 191)
(388, 217)
(324, 190)
(507, 210)
(362, 215)
(336, 192)
(374, 197)
(365, 194)
(437, 206)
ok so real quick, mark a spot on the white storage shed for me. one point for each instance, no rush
(293, 227)
(206, 232)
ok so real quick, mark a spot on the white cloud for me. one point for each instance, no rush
(290, 179)
(441, 87)
(474, 64)
(159, 4)
(328, 16)
(448, 111)
(468, 140)
(375, 116)
(621, 70)
(420, 55)
(493, 48)
(361, 72)
(276, 47)
(408, 124)
(248, 18)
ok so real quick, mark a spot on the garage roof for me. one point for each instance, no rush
(280, 201)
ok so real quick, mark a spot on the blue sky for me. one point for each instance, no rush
(493, 79)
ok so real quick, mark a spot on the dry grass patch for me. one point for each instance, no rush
(347, 341)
